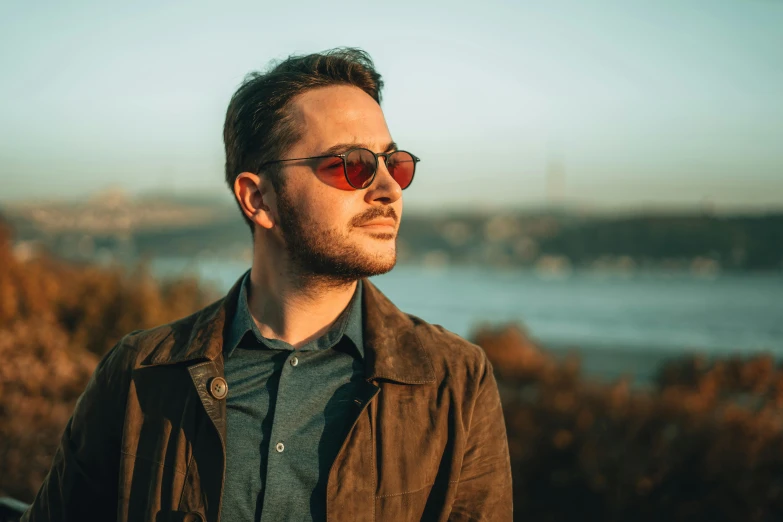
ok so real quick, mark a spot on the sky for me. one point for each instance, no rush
(671, 103)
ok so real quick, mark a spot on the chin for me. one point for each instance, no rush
(378, 259)
(380, 262)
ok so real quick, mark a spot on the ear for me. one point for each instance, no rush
(256, 198)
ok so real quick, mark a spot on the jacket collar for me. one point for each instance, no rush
(199, 336)
(393, 351)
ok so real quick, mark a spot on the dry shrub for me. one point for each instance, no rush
(56, 320)
(695, 448)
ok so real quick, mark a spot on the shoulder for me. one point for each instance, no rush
(455, 362)
(136, 348)
(451, 355)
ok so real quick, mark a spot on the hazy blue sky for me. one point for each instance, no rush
(655, 103)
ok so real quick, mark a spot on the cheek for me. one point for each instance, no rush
(328, 210)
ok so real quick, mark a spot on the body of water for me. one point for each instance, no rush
(618, 318)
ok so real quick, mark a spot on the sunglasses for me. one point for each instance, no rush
(360, 165)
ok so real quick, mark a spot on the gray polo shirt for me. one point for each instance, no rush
(287, 412)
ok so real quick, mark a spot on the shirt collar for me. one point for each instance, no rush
(348, 324)
(394, 343)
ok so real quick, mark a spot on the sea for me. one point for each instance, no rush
(622, 325)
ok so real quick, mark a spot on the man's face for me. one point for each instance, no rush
(332, 232)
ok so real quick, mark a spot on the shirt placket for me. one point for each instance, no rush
(279, 447)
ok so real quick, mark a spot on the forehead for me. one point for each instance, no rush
(339, 114)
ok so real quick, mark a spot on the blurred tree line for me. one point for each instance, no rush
(746, 243)
(586, 241)
(497, 238)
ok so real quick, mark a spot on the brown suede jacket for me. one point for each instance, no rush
(146, 440)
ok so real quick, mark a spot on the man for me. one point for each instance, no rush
(304, 394)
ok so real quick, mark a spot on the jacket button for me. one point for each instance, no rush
(218, 388)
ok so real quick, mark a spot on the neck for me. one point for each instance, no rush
(292, 307)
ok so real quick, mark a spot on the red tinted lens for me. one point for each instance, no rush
(401, 166)
(360, 168)
(330, 171)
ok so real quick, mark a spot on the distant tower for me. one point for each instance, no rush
(555, 177)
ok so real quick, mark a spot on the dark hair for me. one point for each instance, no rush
(259, 126)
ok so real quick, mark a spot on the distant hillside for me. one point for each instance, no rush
(742, 242)
(552, 241)
(626, 242)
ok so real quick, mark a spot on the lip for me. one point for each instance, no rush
(379, 223)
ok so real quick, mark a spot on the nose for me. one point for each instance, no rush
(384, 187)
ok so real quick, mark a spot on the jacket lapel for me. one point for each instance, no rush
(206, 473)
(197, 343)
(350, 487)
(393, 353)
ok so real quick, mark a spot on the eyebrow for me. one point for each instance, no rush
(342, 147)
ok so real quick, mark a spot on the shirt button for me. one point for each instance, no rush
(280, 447)
(294, 360)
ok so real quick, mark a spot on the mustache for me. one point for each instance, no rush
(374, 213)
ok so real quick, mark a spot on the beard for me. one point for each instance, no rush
(325, 256)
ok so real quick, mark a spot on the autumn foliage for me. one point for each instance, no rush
(56, 320)
(705, 444)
